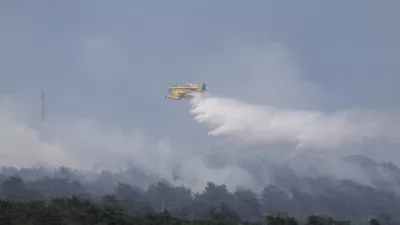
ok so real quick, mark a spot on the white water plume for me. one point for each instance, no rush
(264, 124)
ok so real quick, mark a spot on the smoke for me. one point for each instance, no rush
(270, 126)
(256, 132)
(268, 110)
(87, 145)
(20, 145)
(311, 142)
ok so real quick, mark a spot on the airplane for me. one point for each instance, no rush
(183, 91)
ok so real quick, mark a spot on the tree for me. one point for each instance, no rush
(374, 221)
(13, 189)
(247, 205)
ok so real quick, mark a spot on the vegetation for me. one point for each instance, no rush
(64, 198)
(74, 211)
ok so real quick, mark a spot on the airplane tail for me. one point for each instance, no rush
(203, 87)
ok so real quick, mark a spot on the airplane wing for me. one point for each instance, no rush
(179, 94)
(176, 95)
(189, 88)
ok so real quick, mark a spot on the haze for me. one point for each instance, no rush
(106, 66)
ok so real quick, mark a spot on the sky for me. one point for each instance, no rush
(106, 66)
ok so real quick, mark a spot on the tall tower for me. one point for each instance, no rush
(43, 107)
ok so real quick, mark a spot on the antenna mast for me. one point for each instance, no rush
(43, 107)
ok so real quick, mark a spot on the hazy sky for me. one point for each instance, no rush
(112, 61)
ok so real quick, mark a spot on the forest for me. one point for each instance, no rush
(65, 196)
(74, 211)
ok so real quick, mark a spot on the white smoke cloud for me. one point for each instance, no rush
(90, 146)
(20, 145)
(267, 125)
(86, 144)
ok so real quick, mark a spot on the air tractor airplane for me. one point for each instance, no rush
(184, 91)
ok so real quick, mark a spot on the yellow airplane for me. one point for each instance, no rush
(183, 91)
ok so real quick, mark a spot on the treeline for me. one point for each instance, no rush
(74, 211)
(343, 200)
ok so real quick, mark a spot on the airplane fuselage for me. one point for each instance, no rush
(182, 91)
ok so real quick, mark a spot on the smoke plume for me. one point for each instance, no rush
(87, 145)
